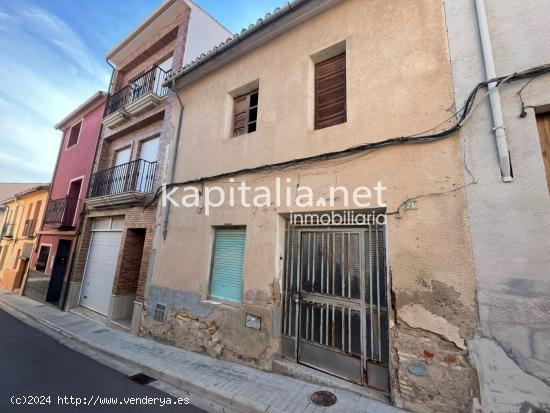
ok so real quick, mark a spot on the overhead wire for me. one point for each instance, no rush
(461, 114)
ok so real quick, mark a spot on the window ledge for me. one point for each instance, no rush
(227, 304)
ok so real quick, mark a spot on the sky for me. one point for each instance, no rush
(52, 59)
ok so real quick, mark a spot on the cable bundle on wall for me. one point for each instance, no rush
(462, 114)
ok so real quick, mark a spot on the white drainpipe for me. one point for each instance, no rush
(494, 95)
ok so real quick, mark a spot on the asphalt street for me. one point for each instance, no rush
(35, 368)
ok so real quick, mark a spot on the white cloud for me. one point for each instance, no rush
(47, 70)
(59, 34)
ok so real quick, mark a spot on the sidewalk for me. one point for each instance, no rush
(237, 387)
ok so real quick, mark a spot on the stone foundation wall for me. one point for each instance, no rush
(36, 286)
(215, 329)
(431, 373)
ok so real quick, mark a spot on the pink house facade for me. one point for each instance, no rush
(49, 270)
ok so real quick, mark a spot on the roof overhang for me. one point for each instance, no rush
(272, 25)
(23, 194)
(151, 25)
(79, 112)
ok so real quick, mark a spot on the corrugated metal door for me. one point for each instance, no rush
(99, 274)
(227, 264)
(334, 302)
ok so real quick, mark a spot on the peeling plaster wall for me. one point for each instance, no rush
(509, 222)
(399, 83)
(431, 274)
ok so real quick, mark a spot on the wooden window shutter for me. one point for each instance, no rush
(543, 123)
(240, 117)
(330, 92)
(245, 115)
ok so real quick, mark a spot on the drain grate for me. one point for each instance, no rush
(323, 398)
(142, 379)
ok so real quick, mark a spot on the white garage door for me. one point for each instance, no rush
(100, 269)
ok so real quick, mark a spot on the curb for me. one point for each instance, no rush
(228, 399)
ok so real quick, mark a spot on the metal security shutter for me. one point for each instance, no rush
(227, 265)
(334, 301)
(99, 274)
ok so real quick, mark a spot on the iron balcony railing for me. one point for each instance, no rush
(134, 176)
(150, 81)
(7, 230)
(28, 229)
(61, 212)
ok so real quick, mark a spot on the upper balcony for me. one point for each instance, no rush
(122, 184)
(140, 95)
(61, 212)
(7, 230)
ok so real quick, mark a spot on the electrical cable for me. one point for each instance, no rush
(462, 114)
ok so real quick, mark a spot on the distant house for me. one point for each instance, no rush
(8, 190)
(23, 216)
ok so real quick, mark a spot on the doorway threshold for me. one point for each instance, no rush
(89, 314)
(305, 373)
(125, 324)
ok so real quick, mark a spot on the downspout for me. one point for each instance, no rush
(494, 95)
(170, 176)
(112, 76)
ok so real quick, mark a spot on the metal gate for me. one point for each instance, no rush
(334, 302)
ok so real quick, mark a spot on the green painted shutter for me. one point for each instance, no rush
(227, 265)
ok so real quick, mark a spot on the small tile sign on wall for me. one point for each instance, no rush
(252, 321)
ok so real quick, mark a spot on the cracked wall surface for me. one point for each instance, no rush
(215, 330)
(509, 222)
(429, 253)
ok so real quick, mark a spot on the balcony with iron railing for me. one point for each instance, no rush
(140, 95)
(126, 183)
(61, 212)
(7, 230)
(29, 227)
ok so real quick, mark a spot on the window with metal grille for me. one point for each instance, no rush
(42, 260)
(245, 114)
(73, 134)
(330, 92)
(160, 312)
(226, 279)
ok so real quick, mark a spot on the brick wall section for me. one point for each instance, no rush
(126, 280)
(180, 21)
(140, 218)
(79, 260)
(179, 48)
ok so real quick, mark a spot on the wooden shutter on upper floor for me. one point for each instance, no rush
(245, 115)
(240, 117)
(330, 92)
(543, 123)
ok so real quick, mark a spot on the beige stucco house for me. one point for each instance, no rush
(288, 103)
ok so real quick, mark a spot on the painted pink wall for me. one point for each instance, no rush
(77, 160)
(73, 162)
